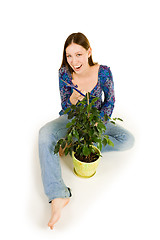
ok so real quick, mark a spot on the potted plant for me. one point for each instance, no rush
(85, 130)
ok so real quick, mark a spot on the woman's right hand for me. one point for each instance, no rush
(76, 96)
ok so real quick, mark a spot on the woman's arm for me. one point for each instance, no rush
(107, 85)
(65, 91)
(67, 96)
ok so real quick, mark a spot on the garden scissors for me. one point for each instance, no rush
(74, 87)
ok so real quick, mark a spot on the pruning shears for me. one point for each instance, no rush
(74, 87)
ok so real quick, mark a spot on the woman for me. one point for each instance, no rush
(79, 69)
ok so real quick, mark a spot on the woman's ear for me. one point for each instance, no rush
(89, 51)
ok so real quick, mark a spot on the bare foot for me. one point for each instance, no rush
(56, 206)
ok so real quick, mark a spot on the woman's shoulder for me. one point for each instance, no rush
(104, 68)
(63, 69)
(64, 73)
(105, 72)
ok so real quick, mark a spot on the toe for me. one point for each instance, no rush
(53, 220)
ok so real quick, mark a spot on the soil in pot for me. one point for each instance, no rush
(90, 158)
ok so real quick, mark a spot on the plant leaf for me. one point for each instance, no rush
(69, 137)
(69, 124)
(94, 100)
(76, 134)
(105, 141)
(86, 150)
(120, 119)
(66, 151)
(110, 143)
(101, 126)
(56, 149)
(63, 144)
(99, 145)
(67, 110)
(106, 117)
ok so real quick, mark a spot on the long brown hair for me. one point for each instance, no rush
(80, 39)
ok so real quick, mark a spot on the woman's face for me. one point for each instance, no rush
(77, 57)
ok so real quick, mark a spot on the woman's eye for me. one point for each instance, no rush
(68, 56)
(79, 54)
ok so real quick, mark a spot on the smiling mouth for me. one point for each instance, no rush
(77, 67)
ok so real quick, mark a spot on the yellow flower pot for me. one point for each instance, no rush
(83, 169)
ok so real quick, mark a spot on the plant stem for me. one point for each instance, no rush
(88, 98)
(88, 101)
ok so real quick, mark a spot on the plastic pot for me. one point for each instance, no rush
(84, 169)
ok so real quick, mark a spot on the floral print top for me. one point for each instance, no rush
(105, 84)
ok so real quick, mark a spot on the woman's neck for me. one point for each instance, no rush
(85, 74)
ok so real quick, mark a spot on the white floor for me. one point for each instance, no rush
(120, 201)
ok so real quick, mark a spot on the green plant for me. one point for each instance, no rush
(85, 128)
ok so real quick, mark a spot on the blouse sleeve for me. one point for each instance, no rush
(107, 85)
(65, 91)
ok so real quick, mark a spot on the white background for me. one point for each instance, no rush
(122, 200)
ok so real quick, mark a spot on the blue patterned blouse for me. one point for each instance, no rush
(105, 84)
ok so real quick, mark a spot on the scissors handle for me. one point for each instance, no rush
(74, 87)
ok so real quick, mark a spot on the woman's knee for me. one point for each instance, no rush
(45, 133)
(129, 140)
(53, 130)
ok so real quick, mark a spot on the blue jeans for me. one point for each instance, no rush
(49, 134)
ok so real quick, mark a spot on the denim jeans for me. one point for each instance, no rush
(49, 134)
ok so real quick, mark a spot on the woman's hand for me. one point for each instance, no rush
(76, 96)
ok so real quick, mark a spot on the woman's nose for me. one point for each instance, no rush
(74, 61)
